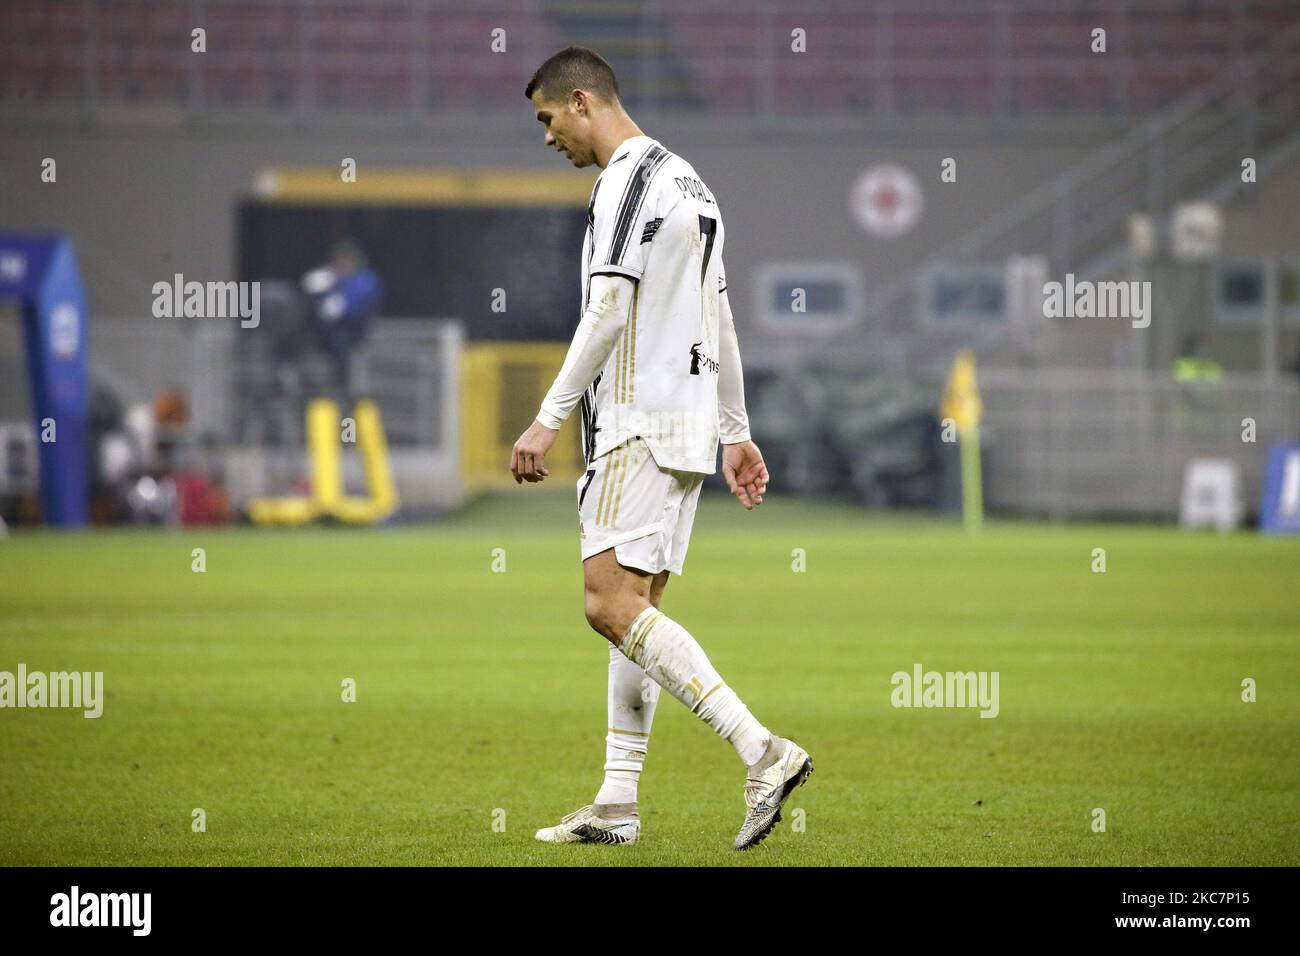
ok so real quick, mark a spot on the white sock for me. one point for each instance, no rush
(632, 700)
(673, 659)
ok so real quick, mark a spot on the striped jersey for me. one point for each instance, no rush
(653, 220)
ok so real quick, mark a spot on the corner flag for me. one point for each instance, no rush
(961, 403)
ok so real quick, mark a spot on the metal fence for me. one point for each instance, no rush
(411, 367)
(1071, 442)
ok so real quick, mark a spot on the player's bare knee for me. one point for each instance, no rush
(610, 614)
(599, 611)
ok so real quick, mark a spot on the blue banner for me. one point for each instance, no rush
(41, 272)
(1279, 512)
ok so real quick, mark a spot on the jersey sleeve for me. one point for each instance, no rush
(626, 217)
(733, 420)
(602, 323)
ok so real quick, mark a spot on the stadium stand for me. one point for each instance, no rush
(993, 56)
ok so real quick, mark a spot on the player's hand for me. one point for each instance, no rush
(528, 459)
(742, 466)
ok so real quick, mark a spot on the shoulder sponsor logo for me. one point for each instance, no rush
(650, 229)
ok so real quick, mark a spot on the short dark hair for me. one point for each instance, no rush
(574, 68)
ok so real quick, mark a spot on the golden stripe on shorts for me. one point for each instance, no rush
(604, 486)
(618, 493)
(613, 475)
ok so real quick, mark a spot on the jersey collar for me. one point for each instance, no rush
(626, 147)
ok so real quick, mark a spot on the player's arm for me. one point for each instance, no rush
(733, 421)
(617, 262)
(598, 332)
(742, 462)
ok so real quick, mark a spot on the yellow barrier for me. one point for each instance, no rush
(381, 500)
(326, 454)
(502, 385)
(327, 499)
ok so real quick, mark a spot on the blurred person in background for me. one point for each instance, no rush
(344, 297)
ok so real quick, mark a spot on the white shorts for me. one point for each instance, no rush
(644, 512)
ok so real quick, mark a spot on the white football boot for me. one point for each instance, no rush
(615, 823)
(784, 766)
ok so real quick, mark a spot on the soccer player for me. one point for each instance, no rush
(655, 369)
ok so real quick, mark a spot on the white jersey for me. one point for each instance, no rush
(653, 220)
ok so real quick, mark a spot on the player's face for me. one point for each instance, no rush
(567, 128)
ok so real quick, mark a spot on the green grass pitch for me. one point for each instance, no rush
(481, 694)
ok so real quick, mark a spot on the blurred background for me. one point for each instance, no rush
(899, 179)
